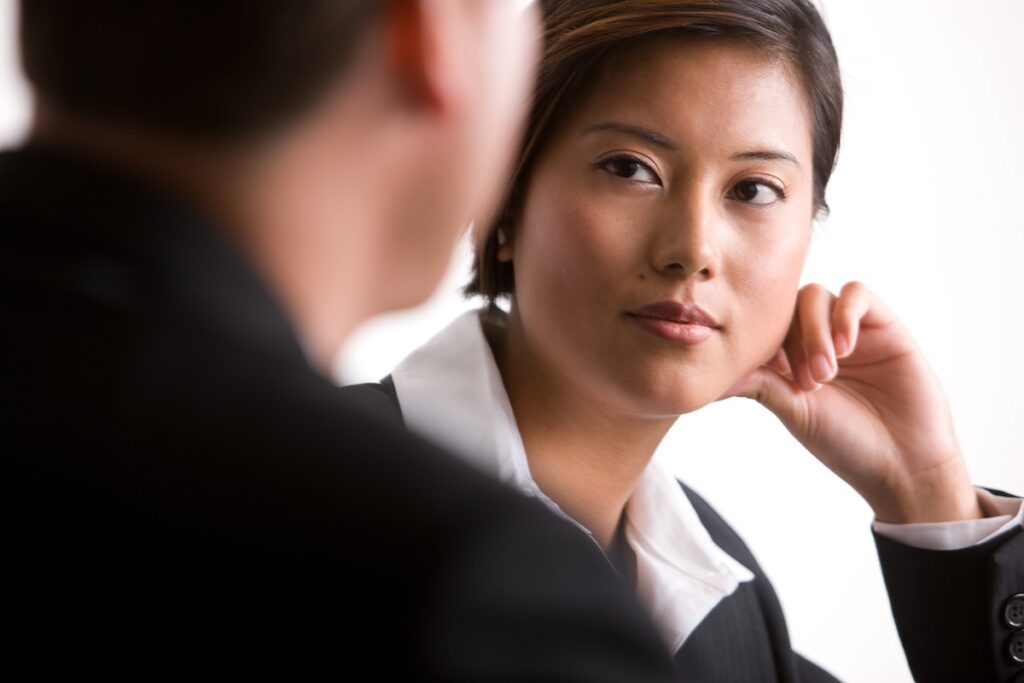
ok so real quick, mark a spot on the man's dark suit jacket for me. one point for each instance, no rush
(180, 491)
(960, 614)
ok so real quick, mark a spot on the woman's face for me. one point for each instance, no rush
(683, 175)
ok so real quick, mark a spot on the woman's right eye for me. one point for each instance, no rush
(630, 168)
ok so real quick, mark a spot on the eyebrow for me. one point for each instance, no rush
(667, 143)
(766, 155)
(634, 131)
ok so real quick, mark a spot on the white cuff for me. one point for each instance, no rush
(957, 535)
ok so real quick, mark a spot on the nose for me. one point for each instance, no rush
(686, 243)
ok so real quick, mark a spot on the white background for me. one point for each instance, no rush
(927, 210)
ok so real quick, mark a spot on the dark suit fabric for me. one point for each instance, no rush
(182, 492)
(949, 608)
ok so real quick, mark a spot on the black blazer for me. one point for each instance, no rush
(181, 492)
(960, 614)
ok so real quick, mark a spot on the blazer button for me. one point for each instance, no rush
(1017, 646)
(1013, 613)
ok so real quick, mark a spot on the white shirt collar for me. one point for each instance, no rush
(450, 391)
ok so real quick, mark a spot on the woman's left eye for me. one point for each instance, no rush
(757, 192)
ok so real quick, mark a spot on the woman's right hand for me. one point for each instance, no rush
(852, 386)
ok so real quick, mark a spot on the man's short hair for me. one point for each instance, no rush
(212, 69)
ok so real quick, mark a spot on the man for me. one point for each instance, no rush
(213, 195)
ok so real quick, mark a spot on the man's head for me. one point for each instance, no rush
(345, 143)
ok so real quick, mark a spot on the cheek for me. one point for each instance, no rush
(767, 280)
(569, 252)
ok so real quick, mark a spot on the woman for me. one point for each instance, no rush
(650, 250)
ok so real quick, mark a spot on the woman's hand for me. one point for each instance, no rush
(852, 386)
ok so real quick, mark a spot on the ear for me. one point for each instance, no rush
(505, 248)
(423, 38)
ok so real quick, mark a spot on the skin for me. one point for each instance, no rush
(685, 172)
(342, 210)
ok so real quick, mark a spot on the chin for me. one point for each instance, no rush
(684, 403)
(670, 394)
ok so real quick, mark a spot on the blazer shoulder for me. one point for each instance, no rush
(379, 398)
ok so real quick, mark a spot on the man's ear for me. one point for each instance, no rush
(423, 38)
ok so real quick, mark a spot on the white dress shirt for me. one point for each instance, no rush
(450, 391)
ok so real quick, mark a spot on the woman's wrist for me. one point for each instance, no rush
(941, 494)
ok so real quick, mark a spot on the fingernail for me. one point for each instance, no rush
(821, 369)
(841, 344)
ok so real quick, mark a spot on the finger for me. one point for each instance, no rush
(779, 363)
(775, 392)
(797, 359)
(853, 305)
(814, 310)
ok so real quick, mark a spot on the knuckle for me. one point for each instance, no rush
(816, 290)
(855, 288)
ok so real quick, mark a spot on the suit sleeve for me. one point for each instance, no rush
(959, 613)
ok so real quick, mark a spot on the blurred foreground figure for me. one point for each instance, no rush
(213, 195)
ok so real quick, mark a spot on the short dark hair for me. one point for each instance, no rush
(214, 69)
(580, 34)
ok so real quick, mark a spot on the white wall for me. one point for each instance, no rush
(927, 209)
(14, 102)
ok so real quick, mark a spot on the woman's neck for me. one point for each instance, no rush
(584, 454)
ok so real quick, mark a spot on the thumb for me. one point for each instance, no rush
(776, 393)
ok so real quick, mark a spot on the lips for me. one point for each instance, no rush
(677, 312)
(683, 323)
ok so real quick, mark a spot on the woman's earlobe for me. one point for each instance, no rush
(504, 246)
